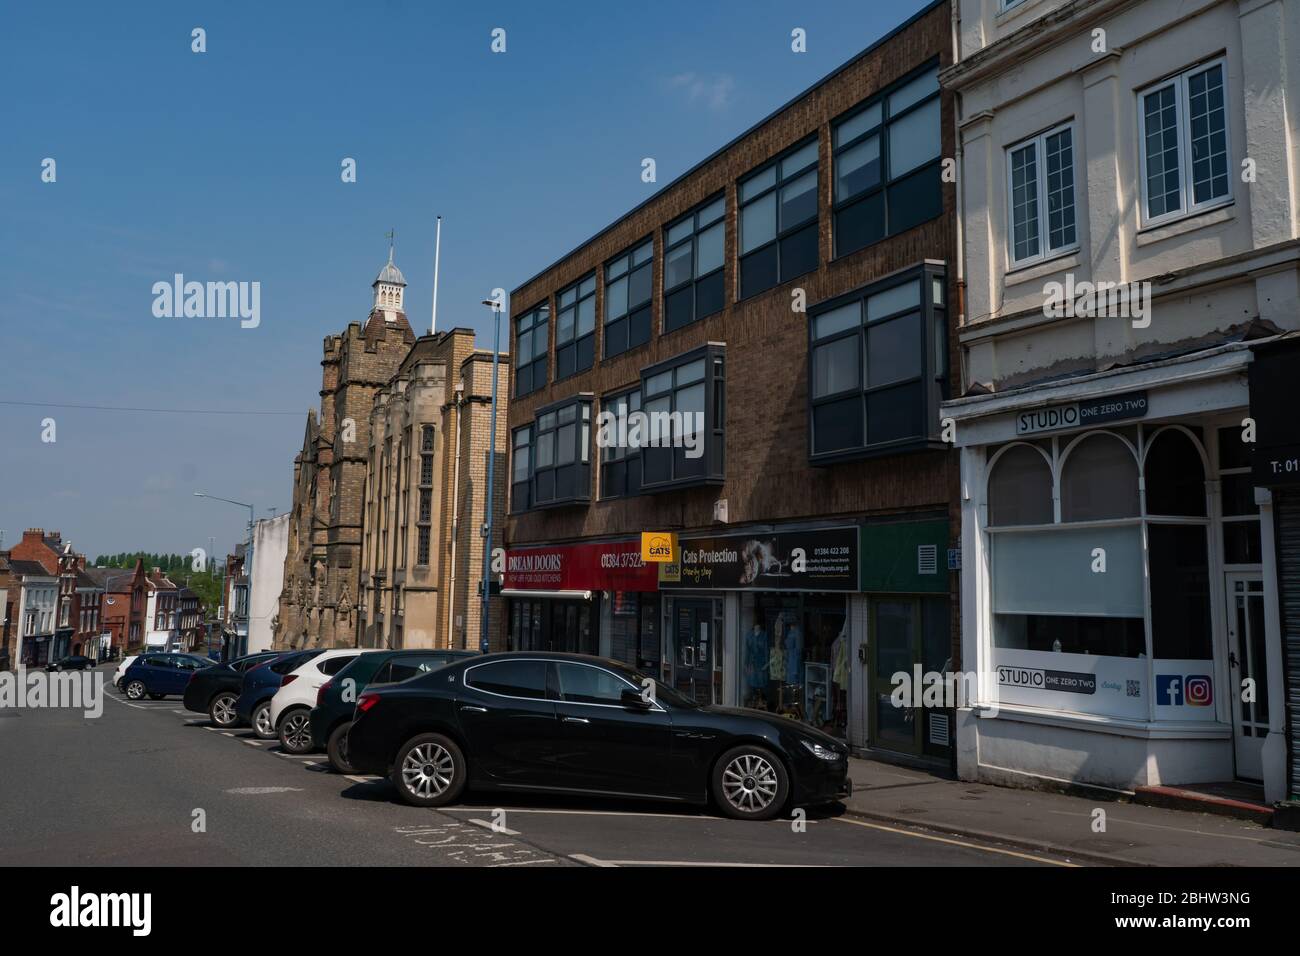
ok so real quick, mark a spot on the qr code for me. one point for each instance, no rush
(1133, 688)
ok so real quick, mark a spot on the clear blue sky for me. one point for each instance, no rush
(225, 166)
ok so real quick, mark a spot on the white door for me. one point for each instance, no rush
(1248, 671)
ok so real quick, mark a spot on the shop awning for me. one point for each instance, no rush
(562, 595)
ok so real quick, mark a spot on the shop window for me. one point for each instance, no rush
(778, 220)
(877, 368)
(620, 459)
(683, 401)
(575, 328)
(887, 163)
(1179, 559)
(1174, 475)
(561, 454)
(693, 265)
(627, 299)
(1020, 488)
(532, 330)
(1099, 480)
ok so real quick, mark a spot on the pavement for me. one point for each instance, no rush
(150, 783)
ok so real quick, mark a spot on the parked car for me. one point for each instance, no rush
(74, 663)
(159, 675)
(292, 703)
(585, 725)
(213, 690)
(121, 670)
(336, 699)
(259, 685)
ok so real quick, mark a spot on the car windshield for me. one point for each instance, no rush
(662, 691)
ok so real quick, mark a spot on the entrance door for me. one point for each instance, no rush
(894, 646)
(694, 649)
(1248, 665)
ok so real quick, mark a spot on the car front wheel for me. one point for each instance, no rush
(337, 749)
(222, 710)
(135, 690)
(295, 731)
(429, 771)
(750, 783)
(262, 722)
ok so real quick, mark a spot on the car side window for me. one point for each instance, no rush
(286, 665)
(510, 678)
(335, 664)
(384, 674)
(581, 684)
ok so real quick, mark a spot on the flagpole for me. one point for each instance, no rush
(437, 248)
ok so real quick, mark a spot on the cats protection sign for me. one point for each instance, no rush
(660, 546)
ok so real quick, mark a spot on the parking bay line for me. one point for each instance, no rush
(489, 825)
(593, 861)
(127, 702)
(963, 843)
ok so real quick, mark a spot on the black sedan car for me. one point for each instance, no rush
(74, 663)
(569, 723)
(214, 690)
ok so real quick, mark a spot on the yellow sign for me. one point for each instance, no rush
(658, 546)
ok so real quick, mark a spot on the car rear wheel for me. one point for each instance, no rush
(295, 731)
(750, 783)
(135, 690)
(337, 749)
(262, 721)
(429, 771)
(222, 710)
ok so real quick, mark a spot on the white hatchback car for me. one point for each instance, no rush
(291, 706)
(121, 669)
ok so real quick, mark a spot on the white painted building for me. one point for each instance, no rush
(1119, 579)
(38, 594)
(270, 545)
(161, 611)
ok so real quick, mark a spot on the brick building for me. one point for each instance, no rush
(322, 566)
(422, 554)
(815, 521)
(8, 610)
(92, 637)
(123, 614)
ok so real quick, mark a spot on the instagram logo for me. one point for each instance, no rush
(1199, 691)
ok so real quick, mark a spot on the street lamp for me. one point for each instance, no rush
(483, 642)
(248, 554)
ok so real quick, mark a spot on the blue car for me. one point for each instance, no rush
(260, 684)
(160, 675)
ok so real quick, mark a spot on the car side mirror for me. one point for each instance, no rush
(631, 698)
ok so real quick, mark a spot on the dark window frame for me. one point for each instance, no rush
(539, 319)
(713, 468)
(785, 234)
(714, 276)
(620, 467)
(521, 486)
(618, 328)
(579, 347)
(887, 180)
(932, 378)
(549, 423)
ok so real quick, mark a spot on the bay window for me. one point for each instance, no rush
(684, 404)
(620, 461)
(561, 453)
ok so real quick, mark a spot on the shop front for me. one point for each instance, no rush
(1114, 600)
(589, 598)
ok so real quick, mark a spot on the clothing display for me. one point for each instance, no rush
(794, 654)
(756, 657)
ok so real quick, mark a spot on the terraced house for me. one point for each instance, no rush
(1131, 267)
(779, 317)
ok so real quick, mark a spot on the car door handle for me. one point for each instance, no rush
(576, 720)
(477, 710)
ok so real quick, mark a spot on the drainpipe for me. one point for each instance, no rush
(455, 512)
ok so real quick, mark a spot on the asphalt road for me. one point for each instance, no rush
(132, 787)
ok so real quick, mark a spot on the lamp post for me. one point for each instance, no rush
(248, 555)
(483, 642)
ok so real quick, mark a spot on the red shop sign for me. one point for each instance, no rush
(600, 566)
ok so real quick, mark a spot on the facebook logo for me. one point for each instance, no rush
(1169, 690)
(1195, 690)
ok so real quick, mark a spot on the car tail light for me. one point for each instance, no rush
(366, 701)
(320, 694)
(288, 679)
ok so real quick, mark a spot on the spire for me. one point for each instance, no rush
(389, 286)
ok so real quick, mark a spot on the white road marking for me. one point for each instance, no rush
(127, 702)
(253, 743)
(355, 779)
(183, 713)
(593, 861)
(963, 843)
(226, 733)
(1111, 818)
(618, 813)
(488, 825)
(261, 790)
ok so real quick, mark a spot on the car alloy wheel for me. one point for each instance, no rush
(262, 722)
(295, 732)
(135, 690)
(428, 770)
(222, 710)
(750, 783)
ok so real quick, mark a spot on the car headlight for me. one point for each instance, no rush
(817, 750)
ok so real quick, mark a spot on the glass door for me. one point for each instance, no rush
(893, 647)
(1248, 670)
(693, 649)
